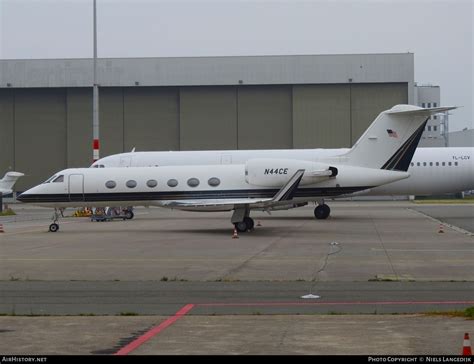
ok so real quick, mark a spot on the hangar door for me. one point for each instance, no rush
(208, 118)
(264, 118)
(368, 100)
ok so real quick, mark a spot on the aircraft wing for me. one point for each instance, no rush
(214, 204)
(284, 194)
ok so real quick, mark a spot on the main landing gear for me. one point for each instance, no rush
(322, 211)
(55, 226)
(245, 225)
(241, 219)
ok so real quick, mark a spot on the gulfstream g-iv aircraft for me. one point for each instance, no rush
(381, 155)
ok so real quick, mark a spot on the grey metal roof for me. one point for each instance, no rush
(194, 71)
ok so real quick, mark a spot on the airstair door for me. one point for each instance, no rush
(76, 187)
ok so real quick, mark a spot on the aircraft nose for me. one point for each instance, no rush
(26, 196)
(23, 197)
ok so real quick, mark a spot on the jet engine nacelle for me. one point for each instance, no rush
(269, 172)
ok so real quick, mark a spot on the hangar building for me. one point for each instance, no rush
(301, 101)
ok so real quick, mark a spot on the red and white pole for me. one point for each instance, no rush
(95, 96)
(95, 147)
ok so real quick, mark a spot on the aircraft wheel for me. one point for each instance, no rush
(53, 227)
(241, 226)
(249, 222)
(322, 212)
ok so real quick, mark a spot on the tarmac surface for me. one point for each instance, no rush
(224, 298)
(453, 215)
(375, 241)
(241, 334)
(239, 295)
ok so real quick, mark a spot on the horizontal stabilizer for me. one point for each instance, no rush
(421, 112)
(8, 181)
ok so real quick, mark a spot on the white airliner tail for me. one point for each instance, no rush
(390, 141)
(8, 181)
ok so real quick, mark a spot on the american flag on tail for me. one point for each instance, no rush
(392, 133)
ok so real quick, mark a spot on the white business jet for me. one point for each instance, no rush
(8, 181)
(381, 155)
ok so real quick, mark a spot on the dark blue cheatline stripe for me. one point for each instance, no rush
(186, 195)
(401, 160)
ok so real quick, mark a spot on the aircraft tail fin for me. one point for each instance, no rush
(9, 180)
(391, 140)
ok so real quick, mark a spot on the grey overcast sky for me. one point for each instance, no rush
(439, 33)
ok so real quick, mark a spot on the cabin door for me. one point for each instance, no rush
(76, 187)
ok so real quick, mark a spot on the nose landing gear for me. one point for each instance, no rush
(55, 226)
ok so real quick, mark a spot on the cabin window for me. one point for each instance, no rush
(50, 179)
(151, 183)
(193, 182)
(437, 164)
(455, 163)
(214, 181)
(449, 164)
(443, 164)
(418, 164)
(424, 164)
(431, 164)
(110, 184)
(412, 164)
(59, 179)
(131, 183)
(172, 182)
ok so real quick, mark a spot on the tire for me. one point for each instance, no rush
(322, 212)
(53, 227)
(241, 226)
(129, 214)
(249, 222)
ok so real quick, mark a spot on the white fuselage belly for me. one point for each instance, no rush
(426, 179)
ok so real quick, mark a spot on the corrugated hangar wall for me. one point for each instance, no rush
(44, 130)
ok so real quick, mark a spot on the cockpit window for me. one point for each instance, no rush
(59, 179)
(50, 179)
